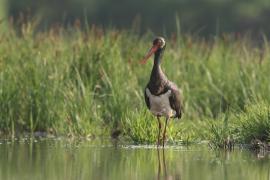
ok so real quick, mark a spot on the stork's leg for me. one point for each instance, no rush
(164, 132)
(159, 129)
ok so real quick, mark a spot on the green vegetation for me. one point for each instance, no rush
(74, 83)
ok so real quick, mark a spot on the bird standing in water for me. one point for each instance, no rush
(162, 96)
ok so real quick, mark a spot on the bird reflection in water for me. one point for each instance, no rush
(162, 168)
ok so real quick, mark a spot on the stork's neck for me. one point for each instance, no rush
(157, 75)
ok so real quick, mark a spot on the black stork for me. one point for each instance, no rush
(162, 96)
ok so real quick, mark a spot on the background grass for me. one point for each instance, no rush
(89, 83)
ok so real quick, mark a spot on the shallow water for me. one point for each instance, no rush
(81, 159)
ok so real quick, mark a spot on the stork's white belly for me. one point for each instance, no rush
(160, 105)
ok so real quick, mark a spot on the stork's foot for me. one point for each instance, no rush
(163, 141)
(159, 142)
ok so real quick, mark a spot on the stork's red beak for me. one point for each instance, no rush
(149, 54)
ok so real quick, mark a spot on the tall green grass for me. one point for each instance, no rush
(89, 83)
(253, 124)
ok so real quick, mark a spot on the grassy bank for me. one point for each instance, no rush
(74, 83)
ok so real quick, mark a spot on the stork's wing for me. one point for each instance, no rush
(175, 100)
(146, 98)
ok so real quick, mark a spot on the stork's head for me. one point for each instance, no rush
(158, 45)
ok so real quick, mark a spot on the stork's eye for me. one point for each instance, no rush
(161, 43)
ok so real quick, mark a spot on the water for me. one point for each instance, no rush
(59, 159)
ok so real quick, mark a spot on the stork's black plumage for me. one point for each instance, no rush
(162, 96)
